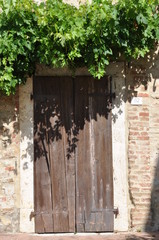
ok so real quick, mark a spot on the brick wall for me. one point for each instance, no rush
(9, 163)
(143, 144)
(154, 147)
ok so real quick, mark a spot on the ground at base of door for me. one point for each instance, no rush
(114, 236)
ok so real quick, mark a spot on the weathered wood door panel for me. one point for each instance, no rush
(73, 155)
(94, 186)
(54, 164)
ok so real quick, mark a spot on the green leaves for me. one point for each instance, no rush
(138, 26)
(17, 44)
(58, 34)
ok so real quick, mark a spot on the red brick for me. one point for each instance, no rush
(148, 189)
(133, 117)
(132, 108)
(144, 157)
(144, 133)
(145, 168)
(134, 133)
(144, 114)
(137, 128)
(9, 168)
(146, 199)
(133, 177)
(144, 184)
(142, 138)
(143, 95)
(143, 206)
(143, 119)
(140, 123)
(133, 189)
(145, 152)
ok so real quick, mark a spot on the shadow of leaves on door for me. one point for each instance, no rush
(62, 108)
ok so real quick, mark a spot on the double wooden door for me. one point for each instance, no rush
(73, 155)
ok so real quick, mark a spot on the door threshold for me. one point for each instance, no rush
(73, 234)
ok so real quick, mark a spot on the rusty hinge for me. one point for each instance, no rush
(35, 213)
(32, 215)
(116, 212)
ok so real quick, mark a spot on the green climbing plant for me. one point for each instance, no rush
(59, 35)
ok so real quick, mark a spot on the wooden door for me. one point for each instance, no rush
(73, 155)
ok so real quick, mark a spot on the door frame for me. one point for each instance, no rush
(119, 142)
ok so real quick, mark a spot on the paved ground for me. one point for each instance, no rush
(117, 236)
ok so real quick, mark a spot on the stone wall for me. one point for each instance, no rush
(143, 142)
(9, 164)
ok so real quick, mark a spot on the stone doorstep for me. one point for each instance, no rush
(107, 236)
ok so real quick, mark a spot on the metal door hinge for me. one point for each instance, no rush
(32, 215)
(31, 96)
(116, 212)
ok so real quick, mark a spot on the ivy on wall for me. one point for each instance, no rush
(59, 35)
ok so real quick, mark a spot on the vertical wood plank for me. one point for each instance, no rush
(83, 174)
(42, 183)
(69, 147)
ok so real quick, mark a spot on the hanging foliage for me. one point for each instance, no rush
(58, 35)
